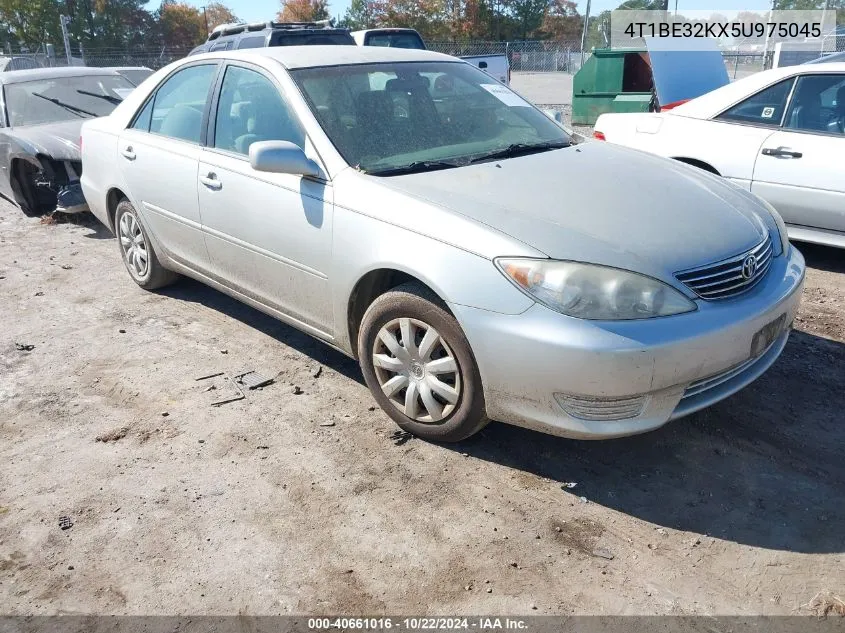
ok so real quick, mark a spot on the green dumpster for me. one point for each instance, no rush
(612, 80)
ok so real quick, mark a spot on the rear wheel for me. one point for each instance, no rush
(137, 251)
(419, 366)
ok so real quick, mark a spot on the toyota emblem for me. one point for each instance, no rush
(749, 267)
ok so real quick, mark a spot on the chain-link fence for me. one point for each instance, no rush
(741, 65)
(524, 56)
(101, 57)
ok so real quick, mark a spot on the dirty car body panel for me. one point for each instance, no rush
(779, 133)
(40, 162)
(466, 219)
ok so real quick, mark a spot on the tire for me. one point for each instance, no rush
(22, 192)
(137, 251)
(458, 394)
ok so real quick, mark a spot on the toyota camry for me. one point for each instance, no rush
(413, 213)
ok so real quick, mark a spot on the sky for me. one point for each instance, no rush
(262, 10)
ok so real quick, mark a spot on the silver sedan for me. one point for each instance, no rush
(413, 213)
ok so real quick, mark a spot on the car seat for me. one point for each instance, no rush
(182, 121)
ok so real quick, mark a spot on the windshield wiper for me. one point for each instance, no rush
(415, 167)
(109, 98)
(66, 106)
(519, 149)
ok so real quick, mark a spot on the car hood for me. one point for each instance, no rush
(58, 140)
(600, 203)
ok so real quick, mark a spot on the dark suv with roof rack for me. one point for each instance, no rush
(261, 34)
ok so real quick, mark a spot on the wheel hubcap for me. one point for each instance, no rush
(133, 244)
(416, 370)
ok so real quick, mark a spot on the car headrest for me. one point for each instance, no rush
(407, 85)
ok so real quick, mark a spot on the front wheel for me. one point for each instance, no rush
(137, 251)
(24, 191)
(419, 366)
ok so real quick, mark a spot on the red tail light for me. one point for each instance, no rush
(599, 136)
(80, 143)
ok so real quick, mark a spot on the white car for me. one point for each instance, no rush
(779, 133)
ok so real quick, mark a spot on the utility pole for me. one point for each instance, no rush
(64, 21)
(584, 32)
(766, 41)
(824, 19)
(205, 17)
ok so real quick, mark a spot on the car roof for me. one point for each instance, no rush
(829, 59)
(293, 57)
(117, 69)
(34, 74)
(714, 102)
(388, 29)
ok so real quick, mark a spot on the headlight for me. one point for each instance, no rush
(784, 235)
(588, 291)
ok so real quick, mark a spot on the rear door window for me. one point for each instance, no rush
(177, 108)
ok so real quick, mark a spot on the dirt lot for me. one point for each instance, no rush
(313, 503)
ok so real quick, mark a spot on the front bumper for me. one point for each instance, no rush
(677, 365)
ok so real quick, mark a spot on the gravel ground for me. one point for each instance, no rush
(554, 89)
(304, 498)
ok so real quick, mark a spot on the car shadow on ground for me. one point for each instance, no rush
(823, 257)
(195, 292)
(99, 231)
(763, 468)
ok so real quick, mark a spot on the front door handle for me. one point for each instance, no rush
(128, 153)
(781, 152)
(210, 181)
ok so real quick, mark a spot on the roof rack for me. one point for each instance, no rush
(233, 29)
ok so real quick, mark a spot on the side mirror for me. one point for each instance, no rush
(281, 157)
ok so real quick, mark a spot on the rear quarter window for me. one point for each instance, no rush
(763, 108)
(253, 41)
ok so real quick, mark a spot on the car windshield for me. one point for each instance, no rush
(310, 38)
(401, 39)
(411, 116)
(64, 98)
(135, 75)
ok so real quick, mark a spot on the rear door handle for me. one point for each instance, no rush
(210, 181)
(781, 152)
(128, 153)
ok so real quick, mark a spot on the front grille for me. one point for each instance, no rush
(705, 384)
(729, 277)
